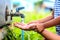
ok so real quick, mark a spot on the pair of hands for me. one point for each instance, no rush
(36, 26)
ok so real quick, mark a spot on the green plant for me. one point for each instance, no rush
(15, 34)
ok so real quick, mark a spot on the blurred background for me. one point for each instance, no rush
(33, 10)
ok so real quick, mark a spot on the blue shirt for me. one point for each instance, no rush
(56, 14)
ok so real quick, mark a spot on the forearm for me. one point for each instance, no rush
(52, 22)
(49, 35)
(46, 19)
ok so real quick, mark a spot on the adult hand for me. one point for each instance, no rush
(25, 26)
(34, 26)
(39, 27)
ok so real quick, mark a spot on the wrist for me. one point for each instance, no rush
(42, 31)
(43, 28)
(39, 31)
(45, 25)
(39, 28)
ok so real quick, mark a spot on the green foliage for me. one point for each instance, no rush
(38, 3)
(15, 34)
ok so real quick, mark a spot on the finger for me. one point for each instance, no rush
(17, 25)
(30, 23)
(20, 23)
(24, 27)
